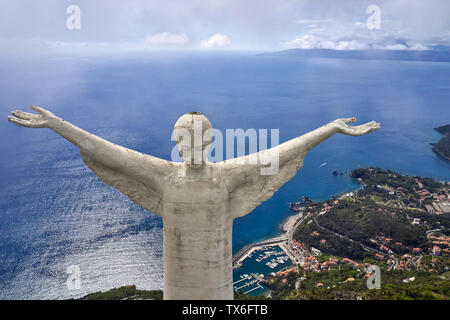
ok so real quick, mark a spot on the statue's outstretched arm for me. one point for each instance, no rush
(313, 138)
(254, 178)
(141, 177)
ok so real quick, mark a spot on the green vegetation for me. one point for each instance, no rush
(361, 220)
(336, 286)
(376, 219)
(384, 207)
(376, 176)
(242, 296)
(125, 293)
(334, 245)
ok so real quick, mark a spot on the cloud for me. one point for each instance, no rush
(309, 41)
(315, 42)
(165, 39)
(356, 36)
(418, 46)
(309, 21)
(217, 41)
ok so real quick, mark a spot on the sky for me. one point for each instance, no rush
(269, 25)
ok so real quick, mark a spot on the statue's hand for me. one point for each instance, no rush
(342, 127)
(31, 120)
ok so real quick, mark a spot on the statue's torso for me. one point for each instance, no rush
(197, 237)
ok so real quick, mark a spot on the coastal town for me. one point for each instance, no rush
(410, 217)
(301, 264)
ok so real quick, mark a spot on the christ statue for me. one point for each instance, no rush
(197, 199)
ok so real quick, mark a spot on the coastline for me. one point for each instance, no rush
(442, 147)
(439, 152)
(328, 242)
(283, 241)
(287, 226)
(289, 222)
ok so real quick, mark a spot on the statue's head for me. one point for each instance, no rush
(193, 135)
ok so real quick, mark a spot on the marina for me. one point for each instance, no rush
(257, 263)
(258, 260)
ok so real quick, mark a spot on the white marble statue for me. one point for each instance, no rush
(197, 201)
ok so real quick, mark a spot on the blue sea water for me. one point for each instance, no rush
(56, 213)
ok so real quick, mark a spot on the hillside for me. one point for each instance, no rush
(385, 207)
(397, 222)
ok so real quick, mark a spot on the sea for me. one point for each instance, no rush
(56, 215)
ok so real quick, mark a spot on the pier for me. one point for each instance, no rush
(248, 249)
(251, 280)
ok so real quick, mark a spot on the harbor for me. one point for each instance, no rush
(257, 263)
(258, 260)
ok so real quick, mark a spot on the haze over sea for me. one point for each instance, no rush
(55, 212)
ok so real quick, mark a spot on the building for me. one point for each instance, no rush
(379, 256)
(354, 263)
(287, 271)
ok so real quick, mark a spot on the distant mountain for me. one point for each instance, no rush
(436, 54)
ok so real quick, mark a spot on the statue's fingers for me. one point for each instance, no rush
(373, 125)
(19, 122)
(362, 129)
(369, 127)
(26, 123)
(376, 126)
(23, 115)
(39, 110)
